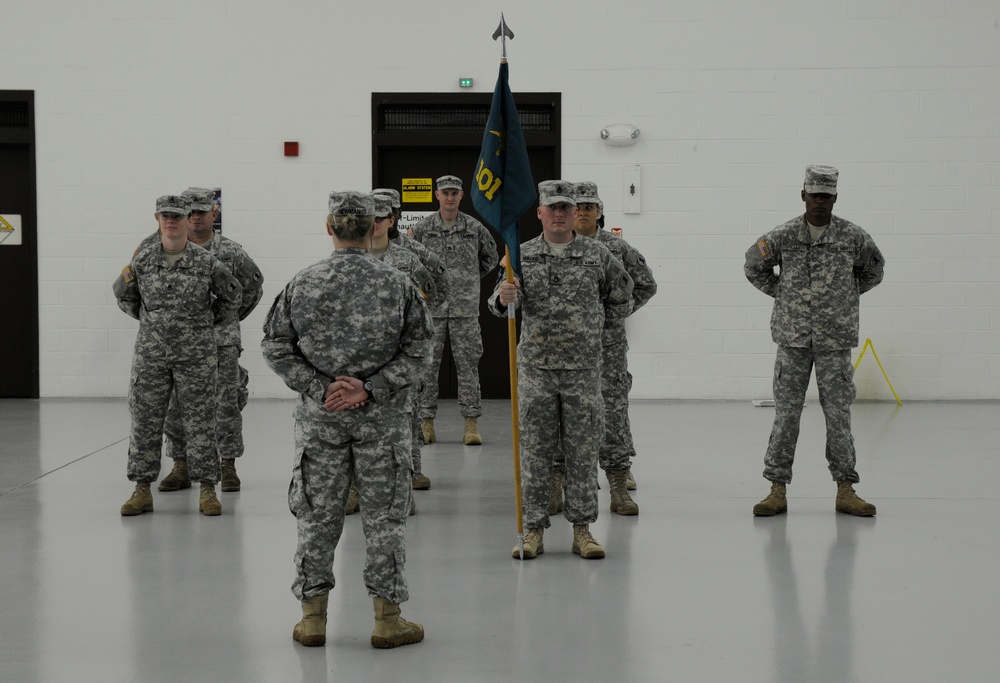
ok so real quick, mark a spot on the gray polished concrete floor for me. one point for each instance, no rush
(693, 589)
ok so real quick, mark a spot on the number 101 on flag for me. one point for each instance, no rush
(487, 182)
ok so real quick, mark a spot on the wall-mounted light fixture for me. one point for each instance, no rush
(620, 134)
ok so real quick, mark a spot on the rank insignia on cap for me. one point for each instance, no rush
(128, 275)
(762, 247)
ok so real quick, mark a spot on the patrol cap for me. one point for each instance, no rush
(351, 203)
(172, 203)
(586, 193)
(393, 195)
(201, 198)
(555, 191)
(383, 205)
(821, 180)
(446, 182)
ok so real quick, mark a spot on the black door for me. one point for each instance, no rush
(18, 247)
(441, 134)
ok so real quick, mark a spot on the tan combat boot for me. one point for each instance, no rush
(532, 545)
(427, 427)
(556, 493)
(392, 630)
(849, 503)
(584, 544)
(141, 500)
(230, 480)
(353, 501)
(472, 437)
(208, 504)
(630, 480)
(177, 479)
(311, 631)
(775, 502)
(420, 481)
(621, 502)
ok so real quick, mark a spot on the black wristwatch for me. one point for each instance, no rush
(369, 386)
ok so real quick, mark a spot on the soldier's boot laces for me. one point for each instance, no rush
(392, 630)
(230, 480)
(532, 545)
(774, 504)
(621, 501)
(584, 544)
(177, 479)
(850, 503)
(472, 436)
(208, 503)
(556, 493)
(140, 501)
(311, 631)
(427, 428)
(353, 501)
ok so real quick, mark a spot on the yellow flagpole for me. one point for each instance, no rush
(515, 422)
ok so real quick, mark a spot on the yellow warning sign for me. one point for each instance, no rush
(10, 230)
(418, 190)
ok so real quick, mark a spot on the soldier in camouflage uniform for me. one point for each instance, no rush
(469, 253)
(438, 272)
(406, 262)
(233, 378)
(181, 295)
(616, 381)
(349, 334)
(825, 264)
(571, 286)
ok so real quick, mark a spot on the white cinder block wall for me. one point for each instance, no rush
(733, 99)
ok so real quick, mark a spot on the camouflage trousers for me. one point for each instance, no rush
(835, 380)
(559, 410)
(327, 455)
(155, 377)
(416, 433)
(466, 348)
(232, 399)
(617, 448)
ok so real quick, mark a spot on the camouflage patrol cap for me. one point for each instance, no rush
(351, 203)
(821, 180)
(383, 205)
(556, 191)
(172, 203)
(393, 195)
(586, 193)
(201, 198)
(446, 182)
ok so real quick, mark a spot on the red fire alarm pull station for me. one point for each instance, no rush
(291, 149)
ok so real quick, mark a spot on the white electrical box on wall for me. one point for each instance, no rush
(632, 190)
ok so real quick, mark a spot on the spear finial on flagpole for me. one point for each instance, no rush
(503, 32)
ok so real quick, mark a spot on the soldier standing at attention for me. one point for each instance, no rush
(469, 253)
(825, 264)
(349, 334)
(181, 295)
(572, 286)
(233, 378)
(617, 450)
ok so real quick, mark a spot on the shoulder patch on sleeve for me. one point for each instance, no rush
(128, 275)
(762, 247)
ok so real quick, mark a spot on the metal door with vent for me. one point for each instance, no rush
(427, 135)
(18, 246)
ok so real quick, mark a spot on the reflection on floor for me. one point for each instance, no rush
(693, 589)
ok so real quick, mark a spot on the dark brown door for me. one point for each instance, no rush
(18, 247)
(428, 135)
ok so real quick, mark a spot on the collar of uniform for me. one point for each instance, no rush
(803, 235)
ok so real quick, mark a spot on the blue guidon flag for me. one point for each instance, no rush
(503, 188)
